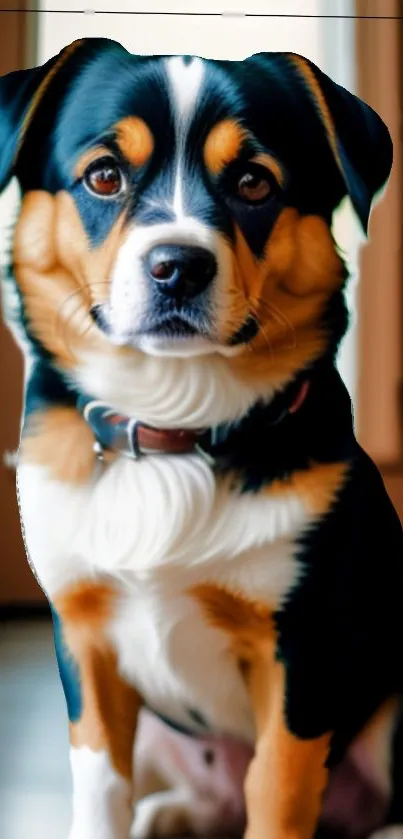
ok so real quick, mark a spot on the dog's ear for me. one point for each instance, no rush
(23, 92)
(359, 140)
(20, 95)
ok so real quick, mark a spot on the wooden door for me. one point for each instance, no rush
(17, 584)
(380, 362)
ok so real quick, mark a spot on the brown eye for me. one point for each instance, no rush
(104, 178)
(253, 187)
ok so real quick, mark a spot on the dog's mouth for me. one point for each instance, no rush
(178, 333)
(246, 333)
(174, 327)
(175, 335)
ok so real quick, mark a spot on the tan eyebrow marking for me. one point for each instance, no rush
(135, 140)
(223, 145)
(270, 162)
(88, 157)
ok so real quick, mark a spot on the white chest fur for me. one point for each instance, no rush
(160, 526)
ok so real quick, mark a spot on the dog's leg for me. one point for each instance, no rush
(103, 711)
(287, 776)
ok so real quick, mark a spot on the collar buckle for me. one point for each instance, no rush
(210, 460)
(99, 451)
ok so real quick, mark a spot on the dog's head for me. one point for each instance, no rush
(176, 206)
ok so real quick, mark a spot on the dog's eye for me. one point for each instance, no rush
(254, 186)
(104, 178)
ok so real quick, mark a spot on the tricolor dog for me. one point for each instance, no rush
(222, 561)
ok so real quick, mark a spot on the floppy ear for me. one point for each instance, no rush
(22, 94)
(359, 140)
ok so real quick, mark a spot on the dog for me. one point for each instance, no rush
(222, 561)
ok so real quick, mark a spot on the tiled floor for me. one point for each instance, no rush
(34, 770)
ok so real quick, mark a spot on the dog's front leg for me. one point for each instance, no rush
(103, 710)
(287, 776)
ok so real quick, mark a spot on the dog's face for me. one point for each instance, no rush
(181, 206)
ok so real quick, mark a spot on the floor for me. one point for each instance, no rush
(34, 769)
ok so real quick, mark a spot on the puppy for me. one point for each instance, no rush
(216, 547)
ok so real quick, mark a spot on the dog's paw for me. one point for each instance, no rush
(174, 813)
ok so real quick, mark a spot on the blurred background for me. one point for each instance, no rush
(359, 44)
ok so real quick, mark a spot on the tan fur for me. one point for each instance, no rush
(287, 776)
(317, 487)
(287, 291)
(60, 276)
(110, 705)
(91, 267)
(223, 145)
(88, 605)
(244, 620)
(135, 140)
(60, 439)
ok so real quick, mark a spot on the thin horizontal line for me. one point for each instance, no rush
(228, 14)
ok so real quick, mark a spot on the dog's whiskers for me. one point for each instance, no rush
(278, 317)
(261, 330)
(63, 322)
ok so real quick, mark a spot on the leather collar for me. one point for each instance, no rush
(134, 439)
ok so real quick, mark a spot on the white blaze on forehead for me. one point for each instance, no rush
(185, 80)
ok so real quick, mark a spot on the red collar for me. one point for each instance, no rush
(135, 439)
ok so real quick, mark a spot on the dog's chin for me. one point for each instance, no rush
(182, 346)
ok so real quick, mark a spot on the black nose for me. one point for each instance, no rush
(181, 270)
